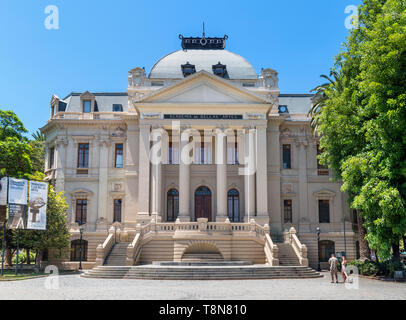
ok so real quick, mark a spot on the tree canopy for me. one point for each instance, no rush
(24, 158)
(362, 121)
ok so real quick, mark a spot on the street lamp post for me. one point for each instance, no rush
(81, 229)
(318, 249)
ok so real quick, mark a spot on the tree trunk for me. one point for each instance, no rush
(364, 251)
(27, 251)
(7, 257)
(396, 251)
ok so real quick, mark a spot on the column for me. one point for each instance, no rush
(157, 157)
(303, 197)
(261, 176)
(249, 174)
(184, 175)
(221, 177)
(274, 160)
(60, 163)
(130, 209)
(143, 175)
(101, 222)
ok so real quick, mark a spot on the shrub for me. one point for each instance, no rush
(366, 268)
(22, 257)
(389, 267)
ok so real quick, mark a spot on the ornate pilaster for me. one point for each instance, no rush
(104, 145)
(221, 177)
(184, 175)
(61, 144)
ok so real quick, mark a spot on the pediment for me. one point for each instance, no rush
(204, 88)
(324, 194)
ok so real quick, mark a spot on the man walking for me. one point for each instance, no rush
(333, 267)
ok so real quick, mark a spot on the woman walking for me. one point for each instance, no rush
(343, 270)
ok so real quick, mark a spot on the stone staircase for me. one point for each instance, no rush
(198, 272)
(117, 255)
(287, 256)
(202, 257)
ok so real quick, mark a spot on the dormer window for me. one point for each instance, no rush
(88, 102)
(283, 109)
(220, 70)
(117, 108)
(87, 106)
(188, 69)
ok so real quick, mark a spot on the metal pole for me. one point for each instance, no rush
(3, 249)
(80, 251)
(345, 241)
(318, 252)
(18, 250)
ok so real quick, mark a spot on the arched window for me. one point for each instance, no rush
(173, 204)
(233, 205)
(76, 246)
(327, 247)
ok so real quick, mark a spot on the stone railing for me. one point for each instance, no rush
(88, 115)
(251, 229)
(299, 248)
(134, 248)
(103, 249)
(271, 249)
(202, 225)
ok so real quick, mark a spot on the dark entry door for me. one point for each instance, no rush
(203, 203)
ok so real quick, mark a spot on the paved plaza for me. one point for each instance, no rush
(74, 287)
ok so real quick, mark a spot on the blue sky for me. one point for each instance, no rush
(99, 41)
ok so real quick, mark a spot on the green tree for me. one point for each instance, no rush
(363, 126)
(11, 126)
(23, 158)
(38, 151)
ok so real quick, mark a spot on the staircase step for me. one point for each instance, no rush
(181, 272)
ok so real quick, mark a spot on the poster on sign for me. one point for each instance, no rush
(3, 191)
(37, 206)
(17, 191)
(17, 217)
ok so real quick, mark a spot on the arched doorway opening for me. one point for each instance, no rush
(203, 203)
(172, 208)
(201, 251)
(233, 205)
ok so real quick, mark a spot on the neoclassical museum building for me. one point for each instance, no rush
(204, 112)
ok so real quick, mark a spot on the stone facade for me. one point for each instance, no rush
(87, 131)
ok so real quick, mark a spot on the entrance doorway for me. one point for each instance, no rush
(203, 203)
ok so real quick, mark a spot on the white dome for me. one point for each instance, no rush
(170, 65)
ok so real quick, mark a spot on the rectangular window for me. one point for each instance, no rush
(170, 153)
(173, 152)
(87, 106)
(119, 163)
(232, 151)
(286, 154)
(83, 155)
(324, 211)
(202, 153)
(287, 211)
(81, 211)
(51, 158)
(117, 210)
